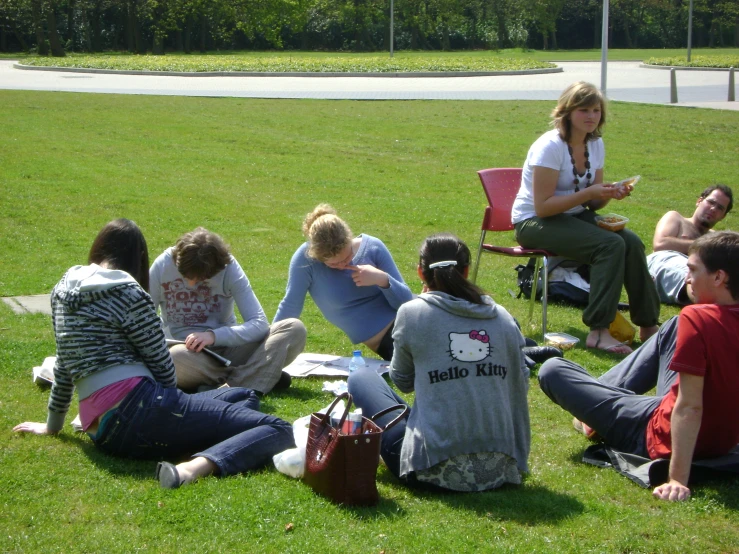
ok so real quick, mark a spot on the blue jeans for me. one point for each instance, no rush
(222, 425)
(371, 393)
(614, 405)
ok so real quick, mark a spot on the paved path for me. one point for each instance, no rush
(626, 82)
(35, 304)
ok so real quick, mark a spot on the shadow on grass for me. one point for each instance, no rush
(527, 505)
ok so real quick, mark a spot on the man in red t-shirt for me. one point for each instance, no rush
(691, 361)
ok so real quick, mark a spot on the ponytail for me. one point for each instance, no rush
(443, 259)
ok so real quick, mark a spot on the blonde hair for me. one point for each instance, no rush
(578, 95)
(326, 232)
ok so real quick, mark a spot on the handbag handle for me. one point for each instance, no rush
(394, 422)
(342, 396)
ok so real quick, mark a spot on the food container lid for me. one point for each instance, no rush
(561, 338)
(621, 218)
(631, 180)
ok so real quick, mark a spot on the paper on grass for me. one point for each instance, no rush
(328, 365)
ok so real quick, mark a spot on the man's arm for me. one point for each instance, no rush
(667, 234)
(685, 424)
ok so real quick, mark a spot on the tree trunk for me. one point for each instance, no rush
(70, 25)
(96, 31)
(86, 27)
(203, 33)
(445, 44)
(736, 32)
(3, 38)
(188, 32)
(545, 40)
(179, 42)
(414, 37)
(130, 27)
(712, 34)
(41, 47)
(19, 36)
(57, 50)
(627, 33)
(554, 40)
(158, 45)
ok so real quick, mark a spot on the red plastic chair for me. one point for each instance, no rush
(501, 186)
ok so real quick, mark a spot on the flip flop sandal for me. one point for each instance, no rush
(589, 432)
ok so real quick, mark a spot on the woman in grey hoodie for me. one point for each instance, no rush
(110, 346)
(461, 353)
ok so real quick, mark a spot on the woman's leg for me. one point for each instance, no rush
(371, 393)
(158, 423)
(640, 287)
(580, 239)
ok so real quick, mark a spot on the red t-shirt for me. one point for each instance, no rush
(707, 346)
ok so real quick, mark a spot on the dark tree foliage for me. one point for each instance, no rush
(53, 27)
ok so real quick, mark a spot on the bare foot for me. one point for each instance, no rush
(646, 332)
(602, 340)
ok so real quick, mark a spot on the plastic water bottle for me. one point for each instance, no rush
(356, 362)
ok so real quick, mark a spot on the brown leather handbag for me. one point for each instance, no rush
(344, 467)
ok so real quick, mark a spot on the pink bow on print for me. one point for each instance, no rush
(481, 336)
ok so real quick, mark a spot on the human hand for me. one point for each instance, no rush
(368, 275)
(623, 191)
(33, 427)
(603, 191)
(672, 491)
(197, 341)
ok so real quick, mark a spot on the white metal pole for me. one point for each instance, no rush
(392, 23)
(690, 29)
(604, 49)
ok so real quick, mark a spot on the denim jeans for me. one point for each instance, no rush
(614, 405)
(371, 393)
(221, 425)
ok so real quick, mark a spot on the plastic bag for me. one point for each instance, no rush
(621, 329)
(291, 462)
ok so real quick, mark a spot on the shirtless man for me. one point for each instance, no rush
(674, 235)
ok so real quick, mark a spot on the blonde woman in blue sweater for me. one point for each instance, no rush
(353, 281)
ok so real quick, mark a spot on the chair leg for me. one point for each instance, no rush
(544, 295)
(534, 287)
(477, 260)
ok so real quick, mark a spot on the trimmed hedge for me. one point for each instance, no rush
(284, 64)
(697, 61)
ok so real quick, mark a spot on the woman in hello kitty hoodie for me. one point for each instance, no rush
(468, 429)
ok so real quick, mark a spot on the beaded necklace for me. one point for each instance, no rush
(588, 175)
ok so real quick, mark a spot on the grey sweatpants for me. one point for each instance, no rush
(614, 405)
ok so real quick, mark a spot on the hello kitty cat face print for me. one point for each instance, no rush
(469, 347)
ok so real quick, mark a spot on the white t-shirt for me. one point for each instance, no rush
(550, 151)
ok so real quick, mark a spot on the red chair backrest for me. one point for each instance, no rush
(501, 186)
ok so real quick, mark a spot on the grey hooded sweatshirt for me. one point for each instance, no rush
(465, 363)
(106, 330)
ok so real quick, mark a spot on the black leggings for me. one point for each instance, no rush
(385, 349)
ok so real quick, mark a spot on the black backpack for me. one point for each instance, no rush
(558, 291)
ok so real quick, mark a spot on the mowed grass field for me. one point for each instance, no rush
(250, 170)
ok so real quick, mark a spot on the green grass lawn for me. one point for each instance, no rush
(250, 170)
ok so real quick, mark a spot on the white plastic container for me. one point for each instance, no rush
(563, 341)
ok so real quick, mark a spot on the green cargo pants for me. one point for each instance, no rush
(615, 259)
